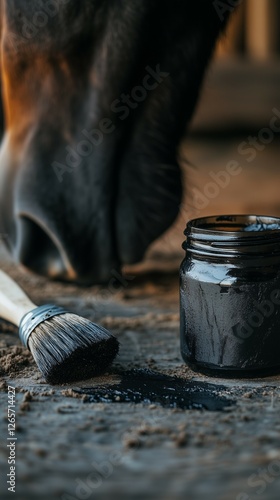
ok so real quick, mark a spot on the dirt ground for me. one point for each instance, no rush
(69, 448)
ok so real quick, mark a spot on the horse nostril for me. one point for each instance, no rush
(37, 250)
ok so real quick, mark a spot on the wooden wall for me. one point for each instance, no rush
(254, 31)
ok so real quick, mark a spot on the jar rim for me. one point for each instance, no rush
(240, 225)
(232, 235)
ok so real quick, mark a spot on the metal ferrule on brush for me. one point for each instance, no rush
(32, 319)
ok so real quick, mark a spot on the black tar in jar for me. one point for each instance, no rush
(230, 296)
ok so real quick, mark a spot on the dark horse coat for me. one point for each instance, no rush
(96, 97)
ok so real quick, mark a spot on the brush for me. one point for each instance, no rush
(65, 346)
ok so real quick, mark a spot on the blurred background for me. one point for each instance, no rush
(243, 81)
(232, 124)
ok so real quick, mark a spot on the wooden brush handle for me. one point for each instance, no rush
(14, 303)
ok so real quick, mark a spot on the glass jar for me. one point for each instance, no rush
(230, 296)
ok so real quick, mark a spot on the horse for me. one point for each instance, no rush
(96, 96)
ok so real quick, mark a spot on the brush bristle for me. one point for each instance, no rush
(69, 348)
